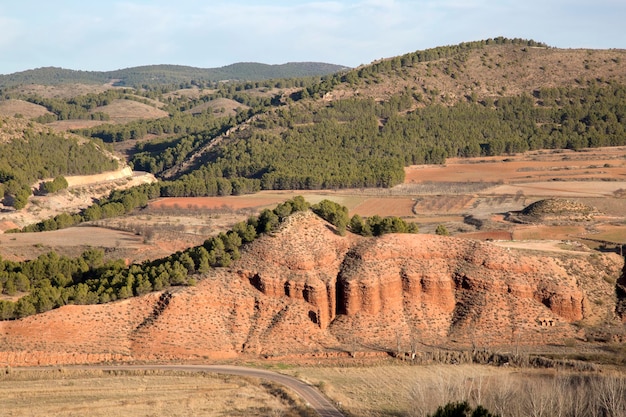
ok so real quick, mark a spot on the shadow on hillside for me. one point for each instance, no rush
(620, 293)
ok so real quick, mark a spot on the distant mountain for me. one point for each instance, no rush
(170, 74)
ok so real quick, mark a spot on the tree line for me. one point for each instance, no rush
(120, 202)
(158, 76)
(386, 66)
(52, 281)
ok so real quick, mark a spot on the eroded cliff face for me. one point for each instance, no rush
(300, 262)
(425, 289)
(304, 290)
(431, 289)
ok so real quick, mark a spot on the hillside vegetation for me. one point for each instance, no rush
(53, 281)
(360, 128)
(169, 74)
(30, 152)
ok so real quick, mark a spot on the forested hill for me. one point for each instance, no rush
(361, 127)
(170, 74)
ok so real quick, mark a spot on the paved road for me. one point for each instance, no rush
(310, 394)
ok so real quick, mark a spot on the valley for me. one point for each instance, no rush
(454, 217)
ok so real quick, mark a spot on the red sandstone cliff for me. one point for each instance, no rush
(306, 290)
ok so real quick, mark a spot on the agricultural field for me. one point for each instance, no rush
(396, 390)
(72, 393)
(470, 196)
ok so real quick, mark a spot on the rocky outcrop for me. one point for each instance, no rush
(553, 210)
(305, 290)
(432, 289)
(300, 262)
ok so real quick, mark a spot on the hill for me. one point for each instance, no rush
(304, 290)
(360, 128)
(169, 74)
(557, 210)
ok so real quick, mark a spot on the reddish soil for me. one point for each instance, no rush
(392, 206)
(228, 202)
(543, 232)
(307, 291)
(492, 235)
(600, 164)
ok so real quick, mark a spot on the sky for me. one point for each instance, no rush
(104, 35)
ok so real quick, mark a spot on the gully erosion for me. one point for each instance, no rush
(306, 291)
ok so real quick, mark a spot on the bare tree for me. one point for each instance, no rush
(538, 401)
(500, 395)
(611, 394)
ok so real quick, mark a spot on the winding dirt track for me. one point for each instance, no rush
(310, 394)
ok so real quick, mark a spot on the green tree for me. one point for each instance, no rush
(49, 187)
(24, 308)
(21, 198)
(356, 224)
(334, 213)
(461, 409)
(442, 230)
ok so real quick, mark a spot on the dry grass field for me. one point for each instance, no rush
(611, 233)
(392, 390)
(124, 111)
(378, 390)
(27, 110)
(63, 392)
(396, 390)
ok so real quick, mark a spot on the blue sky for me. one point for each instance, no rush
(105, 35)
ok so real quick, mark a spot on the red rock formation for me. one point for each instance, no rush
(304, 290)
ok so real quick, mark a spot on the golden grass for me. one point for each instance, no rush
(397, 390)
(123, 111)
(93, 393)
(542, 232)
(383, 390)
(391, 390)
(27, 110)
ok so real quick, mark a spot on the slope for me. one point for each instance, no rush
(30, 152)
(360, 128)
